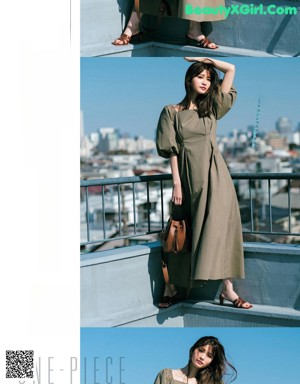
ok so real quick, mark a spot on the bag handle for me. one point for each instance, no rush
(137, 8)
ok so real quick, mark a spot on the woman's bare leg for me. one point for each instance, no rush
(131, 29)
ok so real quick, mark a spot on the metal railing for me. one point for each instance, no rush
(253, 179)
(116, 187)
(122, 198)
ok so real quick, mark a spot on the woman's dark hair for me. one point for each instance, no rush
(214, 373)
(205, 103)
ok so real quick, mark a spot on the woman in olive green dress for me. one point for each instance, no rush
(187, 9)
(202, 185)
(207, 365)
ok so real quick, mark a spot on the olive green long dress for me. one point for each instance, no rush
(180, 9)
(210, 200)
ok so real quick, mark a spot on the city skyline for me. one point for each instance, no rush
(108, 95)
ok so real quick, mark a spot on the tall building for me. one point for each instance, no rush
(109, 139)
(94, 138)
(276, 140)
(85, 147)
(284, 125)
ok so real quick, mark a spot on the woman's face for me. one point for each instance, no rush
(202, 356)
(201, 83)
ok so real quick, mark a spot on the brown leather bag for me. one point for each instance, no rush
(175, 237)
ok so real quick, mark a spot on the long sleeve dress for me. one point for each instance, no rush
(178, 9)
(209, 197)
(165, 376)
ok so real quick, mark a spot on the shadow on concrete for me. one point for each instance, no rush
(278, 34)
(155, 276)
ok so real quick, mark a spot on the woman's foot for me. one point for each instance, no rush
(125, 39)
(229, 294)
(197, 37)
(131, 30)
(201, 41)
(238, 302)
(170, 297)
(167, 301)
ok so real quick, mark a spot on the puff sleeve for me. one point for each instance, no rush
(224, 102)
(166, 143)
(164, 377)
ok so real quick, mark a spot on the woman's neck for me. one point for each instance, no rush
(193, 101)
(190, 373)
(195, 97)
(192, 105)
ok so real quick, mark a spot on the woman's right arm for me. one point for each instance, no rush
(177, 190)
(158, 379)
(167, 147)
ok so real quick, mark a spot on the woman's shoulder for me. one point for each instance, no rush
(165, 376)
(166, 370)
(172, 108)
(167, 373)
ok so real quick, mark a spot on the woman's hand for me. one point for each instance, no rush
(177, 191)
(177, 194)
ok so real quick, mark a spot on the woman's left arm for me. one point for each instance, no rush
(227, 68)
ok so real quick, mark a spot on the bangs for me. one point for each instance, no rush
(210, 343)
(198, 68)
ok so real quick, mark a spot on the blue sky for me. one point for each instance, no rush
(135, 356)
(129, 93)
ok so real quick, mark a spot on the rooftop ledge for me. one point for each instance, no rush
(158, 49)
(239, 35)
(111, 255)
(272, 284)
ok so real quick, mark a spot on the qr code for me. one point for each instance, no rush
(19, 364)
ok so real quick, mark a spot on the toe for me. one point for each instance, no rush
(118, 42)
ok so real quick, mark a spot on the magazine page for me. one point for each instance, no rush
(189, 191)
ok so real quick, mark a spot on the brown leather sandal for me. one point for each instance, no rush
(125, 39)
(238, 303)
(203, 43)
